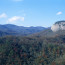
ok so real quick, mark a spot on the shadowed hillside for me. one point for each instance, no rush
(10, 29)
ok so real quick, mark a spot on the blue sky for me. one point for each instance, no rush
(32, 12)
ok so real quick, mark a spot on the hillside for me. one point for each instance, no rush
(49, 33)
(57, 29)
(31, 51)
(42, 48)
(10, 29)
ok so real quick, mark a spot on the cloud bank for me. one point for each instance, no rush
(58, 26)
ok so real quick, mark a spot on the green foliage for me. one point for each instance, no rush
(31, 51)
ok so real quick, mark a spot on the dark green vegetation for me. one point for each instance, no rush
(42, 48)
(32, 50)
(10, 29)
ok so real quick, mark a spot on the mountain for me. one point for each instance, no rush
(56, 29)
(42, 48)
(10, 29)
(60, 25)
(49, 33)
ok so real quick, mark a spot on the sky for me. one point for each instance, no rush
(32, 12)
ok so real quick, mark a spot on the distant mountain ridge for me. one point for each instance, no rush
(56, 30)
(10, 29)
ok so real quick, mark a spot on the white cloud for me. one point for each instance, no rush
(59, 13)
(15, 18)
(17, 0)
(3, 15)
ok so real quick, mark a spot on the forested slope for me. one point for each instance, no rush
(31, 51)
(10, 29)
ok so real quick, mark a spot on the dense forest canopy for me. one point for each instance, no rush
(42, 48)
(32, 50)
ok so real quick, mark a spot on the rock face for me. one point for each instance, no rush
(60, 25)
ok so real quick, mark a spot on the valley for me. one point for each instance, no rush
(41, 48)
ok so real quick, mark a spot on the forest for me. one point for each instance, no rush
(19, 50)
(32, 32)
